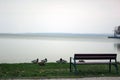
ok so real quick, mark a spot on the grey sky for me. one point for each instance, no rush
(59, 16)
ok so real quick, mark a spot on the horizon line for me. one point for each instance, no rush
(58, 34)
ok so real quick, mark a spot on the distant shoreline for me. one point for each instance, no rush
(113, 37)
(52, 34)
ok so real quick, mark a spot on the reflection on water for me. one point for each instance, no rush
(117, 46)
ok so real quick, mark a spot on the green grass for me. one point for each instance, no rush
(53, 70)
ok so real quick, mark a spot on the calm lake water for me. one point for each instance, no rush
(23, 49)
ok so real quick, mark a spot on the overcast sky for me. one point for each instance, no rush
(59, 16)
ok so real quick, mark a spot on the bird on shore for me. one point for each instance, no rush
(61, 61)
(35, 61)
(43, 62)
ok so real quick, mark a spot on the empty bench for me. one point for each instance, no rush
(110, 57)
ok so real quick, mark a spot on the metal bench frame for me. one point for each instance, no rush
(96, 56)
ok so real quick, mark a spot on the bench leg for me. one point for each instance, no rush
(70, 67)
(110, 66)
(70, 64)
(116, 66)
(75, 66)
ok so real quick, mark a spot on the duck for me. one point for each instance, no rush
(35, 61)
(61, 61)
(43, 62)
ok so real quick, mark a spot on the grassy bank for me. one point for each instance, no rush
(53, 70)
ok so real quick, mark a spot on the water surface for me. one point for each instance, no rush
(20, 49)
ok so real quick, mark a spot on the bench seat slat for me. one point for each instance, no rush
(94, 63)
(95, 56)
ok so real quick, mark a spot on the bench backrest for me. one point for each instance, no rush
(95, 56)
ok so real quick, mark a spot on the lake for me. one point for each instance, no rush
(24, 49)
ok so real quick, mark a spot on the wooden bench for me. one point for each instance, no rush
(109, 57)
